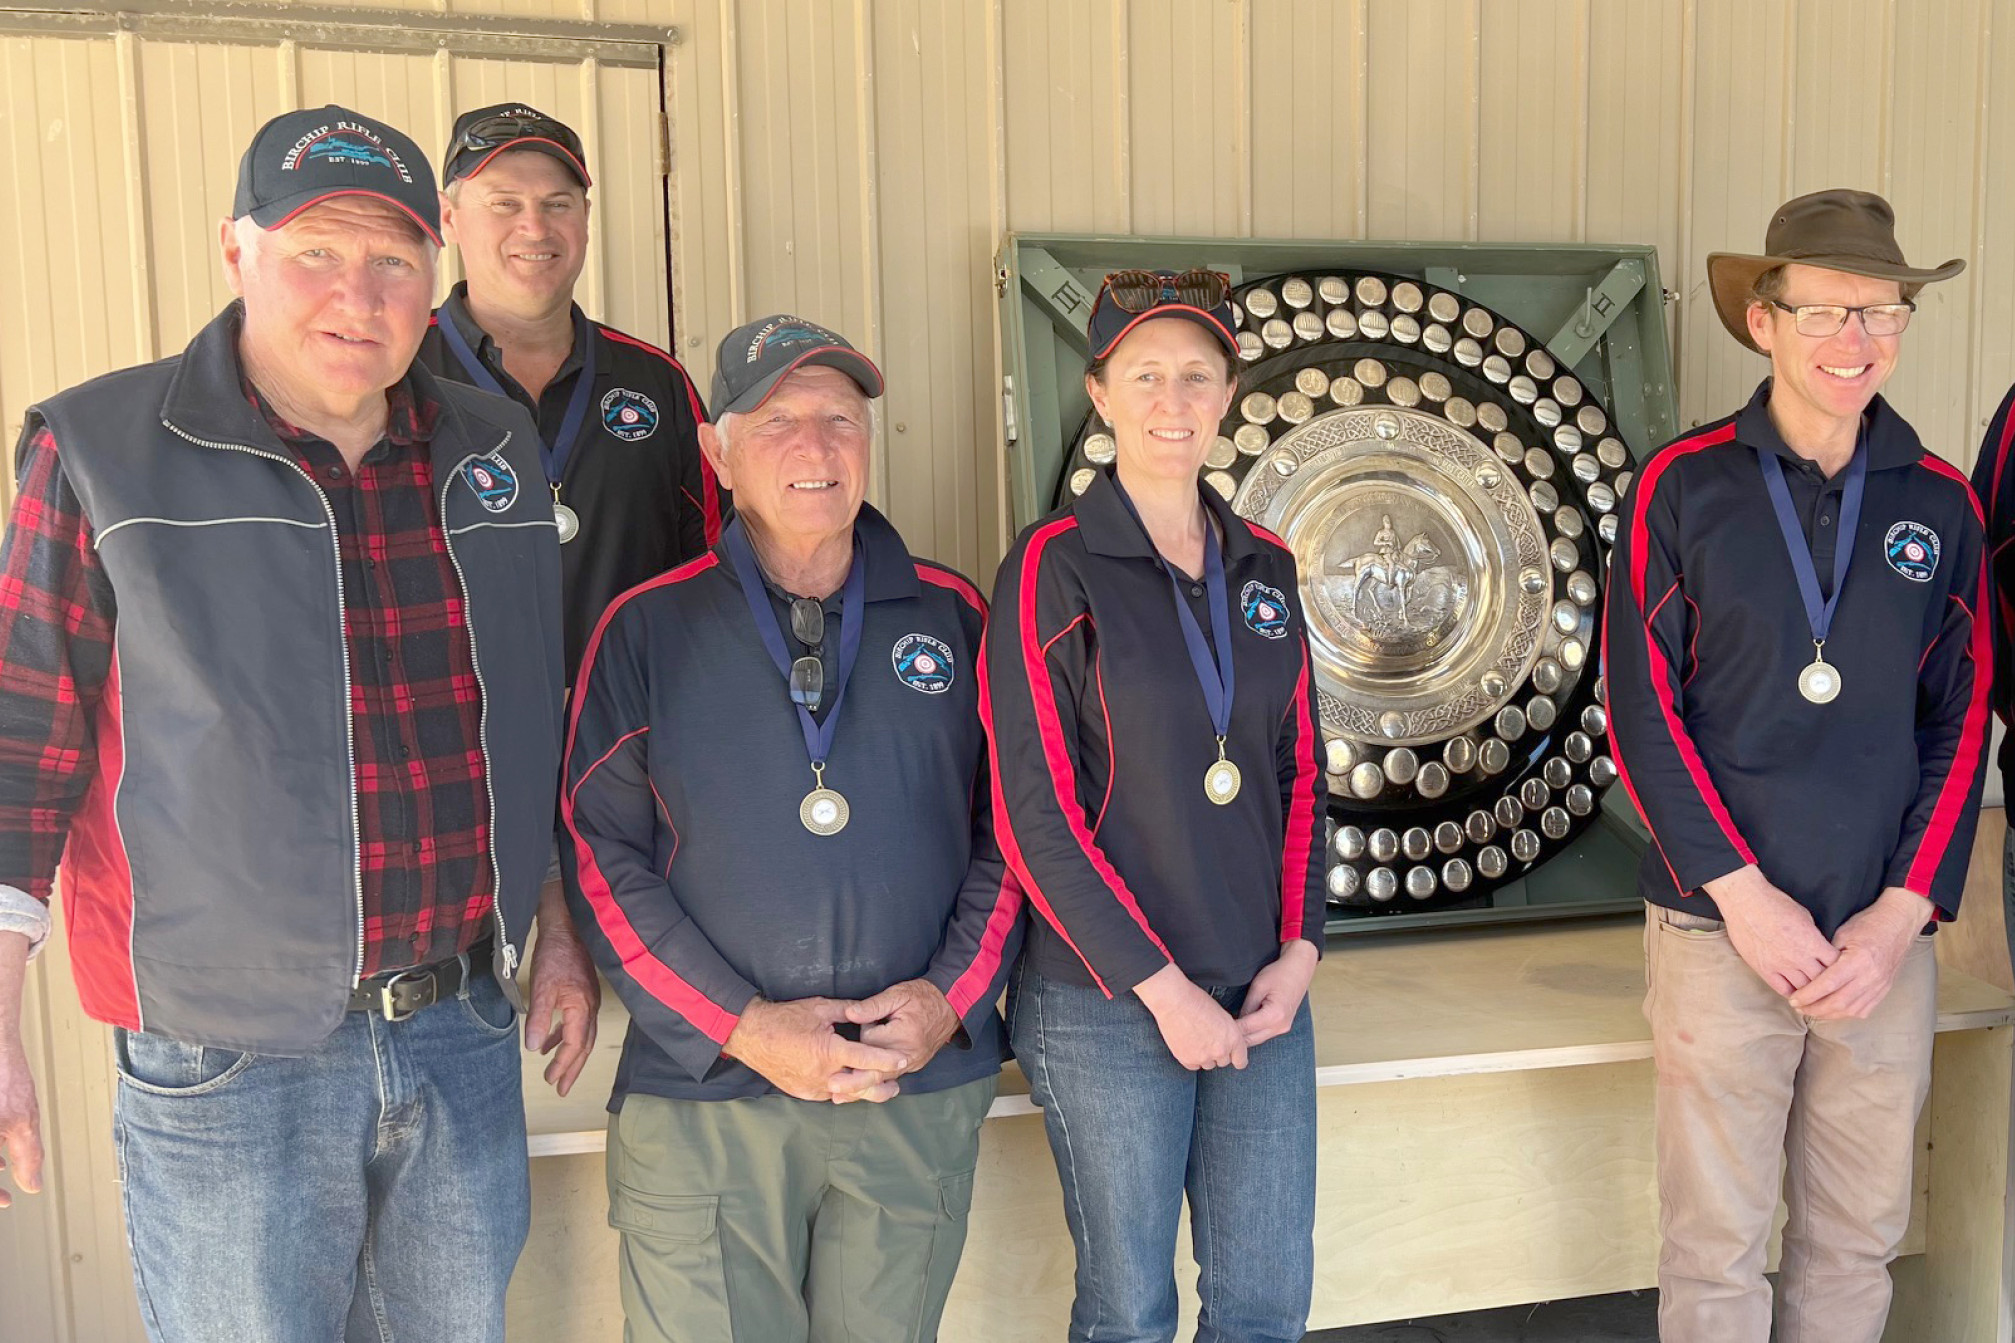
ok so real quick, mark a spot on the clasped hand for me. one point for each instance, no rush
(1827, 981)
(1202, 1035)
(798, 1046)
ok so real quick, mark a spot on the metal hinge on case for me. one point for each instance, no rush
(1007, 411)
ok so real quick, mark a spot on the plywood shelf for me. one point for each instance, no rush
(1422, 1005)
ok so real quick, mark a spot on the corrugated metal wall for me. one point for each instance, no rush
(858, 161)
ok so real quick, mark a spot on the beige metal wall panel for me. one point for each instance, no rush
(198, 102)
(1532, 121)
(1065, 116)
(1839, 115)
(1992, 189)
(1740, 148)
(1935, 111)
(936, 170)
(807, 162)
(1307, 123)
(1637, 101)
(73, 301)
(1421, 85)
(1189, 111)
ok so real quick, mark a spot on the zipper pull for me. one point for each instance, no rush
(510, 961)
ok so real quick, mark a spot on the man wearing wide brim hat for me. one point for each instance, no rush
(1798, 701)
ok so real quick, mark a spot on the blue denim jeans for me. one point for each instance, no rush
(1133, 1131)
(375, 1189)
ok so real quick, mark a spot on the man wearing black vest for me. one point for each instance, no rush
(280, 687)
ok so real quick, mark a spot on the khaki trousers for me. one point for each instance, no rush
(773, 1220)
(1751, 1091)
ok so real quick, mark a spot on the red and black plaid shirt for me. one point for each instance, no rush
(423, 809)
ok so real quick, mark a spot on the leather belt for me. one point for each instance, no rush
(399, 994)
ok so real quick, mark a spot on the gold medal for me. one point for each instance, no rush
(1221, 781)
(824, 811)
(1820, 681)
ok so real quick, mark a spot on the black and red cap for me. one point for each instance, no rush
(1123, 304)
(481, 135)
(758, 355)
(300, 159)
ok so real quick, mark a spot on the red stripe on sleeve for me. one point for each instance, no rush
(1049, 727)
(967, 988)
(659, 980)
(1953, 793)
(1661, 670)
(953, 580)
(1300, 817)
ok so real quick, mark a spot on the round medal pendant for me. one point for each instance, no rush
(567, 520)
(824, 811)
(1221, 782)
(1819, 682)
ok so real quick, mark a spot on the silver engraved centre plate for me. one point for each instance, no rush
(1424, 570)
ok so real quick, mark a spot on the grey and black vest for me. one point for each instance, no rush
(211, 877)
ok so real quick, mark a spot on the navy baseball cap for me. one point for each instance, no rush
(481, 135)
(756, 356)
(300, 159)
(1130, 297)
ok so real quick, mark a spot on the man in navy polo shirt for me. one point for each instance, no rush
(782, 856)
(1798, 695)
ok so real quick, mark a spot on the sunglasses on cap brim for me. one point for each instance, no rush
(494, 132)
(1143, 290)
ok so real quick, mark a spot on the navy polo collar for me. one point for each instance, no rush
(1109, 529)
(1891, 440)
(455, 308)
(891, 571)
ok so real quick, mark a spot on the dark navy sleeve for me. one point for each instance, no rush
(1645, 638)
(678, 988)
(1994, 486)
(1953, 682)
(1304, 794)
(984, 934)
(1039, 657)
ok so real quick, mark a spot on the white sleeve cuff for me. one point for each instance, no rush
(21, 912)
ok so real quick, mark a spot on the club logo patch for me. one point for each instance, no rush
(493, 480)
(922, 663)
(1912, 550)
(1265, 610)
(629, 415)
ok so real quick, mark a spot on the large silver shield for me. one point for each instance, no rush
(1450, 493)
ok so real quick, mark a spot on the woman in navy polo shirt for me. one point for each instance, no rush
(1157, 792)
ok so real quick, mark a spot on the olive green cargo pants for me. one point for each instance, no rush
(773, 1220)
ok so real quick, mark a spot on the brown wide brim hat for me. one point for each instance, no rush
(1850, 231)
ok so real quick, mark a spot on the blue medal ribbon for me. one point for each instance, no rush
(853, 596)
(1215, 671)
(552, 455)
(1818, 611)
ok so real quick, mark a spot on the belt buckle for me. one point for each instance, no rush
(388, 1002)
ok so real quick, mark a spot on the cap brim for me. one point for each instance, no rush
(279, 213)
(552, 148)
(1731, 277)
(850, 362)
(1184, 310)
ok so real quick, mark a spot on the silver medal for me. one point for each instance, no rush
(567, 521)
(1221, 781)
(824, 811)
(1820, 681)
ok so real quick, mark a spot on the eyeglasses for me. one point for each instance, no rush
(808, 673)
(1829, 319)
(1142, 290)
(489, 133)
